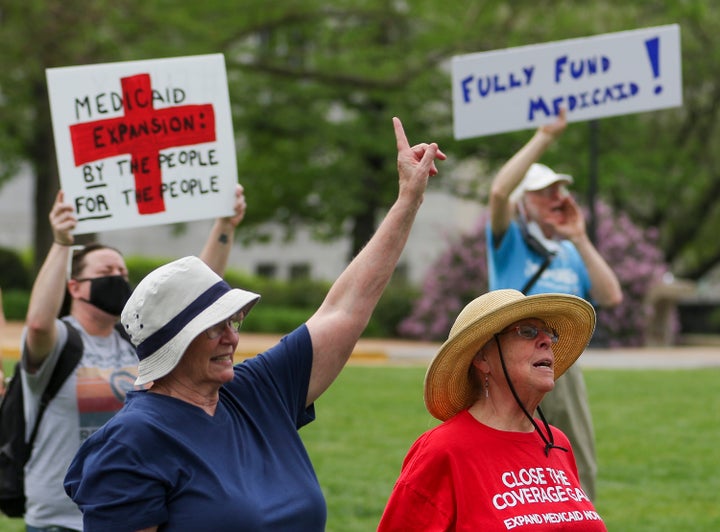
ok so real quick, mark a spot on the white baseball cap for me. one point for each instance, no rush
(538, 177)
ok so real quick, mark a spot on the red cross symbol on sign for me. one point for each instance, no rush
(142, 132)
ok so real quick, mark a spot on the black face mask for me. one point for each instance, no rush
(109, 293)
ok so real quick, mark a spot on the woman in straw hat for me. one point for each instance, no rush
(212, 446)
(491, 465)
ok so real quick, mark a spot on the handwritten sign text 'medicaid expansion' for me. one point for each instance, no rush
(521, 88)
(143, 132)
(152, 143)
(87, 107)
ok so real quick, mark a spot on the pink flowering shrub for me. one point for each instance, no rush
(460, 274)
(638, 262)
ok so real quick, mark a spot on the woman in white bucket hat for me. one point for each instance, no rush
(490, 465)
(212, 446)
(83, 288)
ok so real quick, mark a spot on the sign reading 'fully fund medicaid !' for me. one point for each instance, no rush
(144, 142)
(593, 77)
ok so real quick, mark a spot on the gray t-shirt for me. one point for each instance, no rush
(87, 399)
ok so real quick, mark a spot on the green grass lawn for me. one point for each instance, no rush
(658, 440)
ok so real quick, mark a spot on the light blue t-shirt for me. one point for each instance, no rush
(512, 263)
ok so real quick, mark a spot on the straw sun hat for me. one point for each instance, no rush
(449, 387)
(171, 306)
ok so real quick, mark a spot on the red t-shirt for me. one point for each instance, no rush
(463, 475)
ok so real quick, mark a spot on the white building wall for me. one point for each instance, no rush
(440, 218)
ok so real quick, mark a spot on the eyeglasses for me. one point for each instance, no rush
(234, 322)
(530, 332)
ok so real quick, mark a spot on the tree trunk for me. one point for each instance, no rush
(364, 221)
(47, 181)
(44, 164)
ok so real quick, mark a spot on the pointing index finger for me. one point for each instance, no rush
(402, 141)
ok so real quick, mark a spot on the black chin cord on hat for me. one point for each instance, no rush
(549, 439)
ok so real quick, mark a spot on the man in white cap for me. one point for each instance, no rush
(537, 243)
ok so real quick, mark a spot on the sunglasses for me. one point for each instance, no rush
(530, 332)
(234, 322)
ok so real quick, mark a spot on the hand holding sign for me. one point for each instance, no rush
(556, 128)
(62, 221)
(240, 207)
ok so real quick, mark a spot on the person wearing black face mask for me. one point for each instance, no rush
(87, 288)
(109, 293)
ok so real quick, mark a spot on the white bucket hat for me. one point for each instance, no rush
(538, 177)
(171, 306)
(449, 387)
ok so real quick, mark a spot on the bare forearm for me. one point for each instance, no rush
(510, 176)
(216, 252)
(605, 286)
(359, 288)
(346, 310)
(218, 246)
(46, 298)
(48, 289)
(513, 171)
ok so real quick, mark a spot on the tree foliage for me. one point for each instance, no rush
(314, 85)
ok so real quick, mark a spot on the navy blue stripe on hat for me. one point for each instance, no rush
(168, 331)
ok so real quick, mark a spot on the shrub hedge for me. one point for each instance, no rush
(284, 304)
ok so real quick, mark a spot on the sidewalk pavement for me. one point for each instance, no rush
(408, 352)
(674, 357)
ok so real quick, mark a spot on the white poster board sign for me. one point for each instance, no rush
(144, 142)
(605, 75)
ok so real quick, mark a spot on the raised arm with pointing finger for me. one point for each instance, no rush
(338, 323)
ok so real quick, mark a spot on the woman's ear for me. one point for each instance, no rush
(480, 361)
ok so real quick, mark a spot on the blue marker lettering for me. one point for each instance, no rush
(466, 92)
(484, 91)
(578, 68)
(528, 74)
(496, 83)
